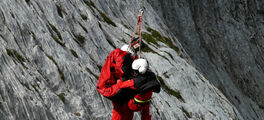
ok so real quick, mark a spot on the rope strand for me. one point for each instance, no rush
(138, 26)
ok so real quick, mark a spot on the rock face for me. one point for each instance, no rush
(51, 53)
(225, 41)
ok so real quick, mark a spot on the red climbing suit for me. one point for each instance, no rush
(110, 84)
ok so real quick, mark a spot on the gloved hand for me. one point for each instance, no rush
(140, 80)
(141, 65)
(146, 82)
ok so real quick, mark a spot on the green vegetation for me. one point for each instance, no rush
(146, 48)
(56, 31)
(79, 39)
(170, 91)
(33, 35)
(84, 17)
(74, 53)
(1, 36)
(58, 34)
(51, 58)
(111, 43)
(149, 38)
(185, 112)
(59, 70)
(61, 96)
(166, 75)
(57, 40)
(83, 27)
(77, 114)
(16, 55)
(88, 70)
(106, 18)
(61, 75)
(90, 4)
(128, 35)
(59, 10)
(35, 87)
(26, 86)
(155, 36)
(123, 40)
(124, 25)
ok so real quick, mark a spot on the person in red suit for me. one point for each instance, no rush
(127, 82)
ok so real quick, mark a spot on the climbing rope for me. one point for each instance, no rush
(138, 26)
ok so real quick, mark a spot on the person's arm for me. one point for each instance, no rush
(107, 85)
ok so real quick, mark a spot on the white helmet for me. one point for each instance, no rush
(141, 65)
(126, 48)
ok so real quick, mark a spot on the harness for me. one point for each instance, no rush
(141, 101)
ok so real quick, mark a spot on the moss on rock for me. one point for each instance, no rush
(170, 91)
(155, 36)
(74, 53)
(61, 96)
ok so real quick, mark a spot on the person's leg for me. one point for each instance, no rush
(116, 114)
(140, 101)
(145, 113)
(122, 112)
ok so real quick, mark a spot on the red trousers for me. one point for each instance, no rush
(125, 110)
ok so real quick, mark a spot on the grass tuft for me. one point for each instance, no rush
(61, 96)
(79, 39)
(35, 87)
(74, 53)
(104, 16)
(170, 91)
(84, 17)
(90, 4)
(123, 40)
(88, 70)
(59, 10)
(59, 70)
(56, 31)
(58, 40)
(155, 36)
(186, 112)
(83, 27)
(78, 114)
(107, 19)
(15, 54)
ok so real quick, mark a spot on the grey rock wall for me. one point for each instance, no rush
(51, 53)
(225, 41)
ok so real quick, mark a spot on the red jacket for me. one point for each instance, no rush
(110, 80)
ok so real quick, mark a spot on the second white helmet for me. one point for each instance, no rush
(141, 65)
